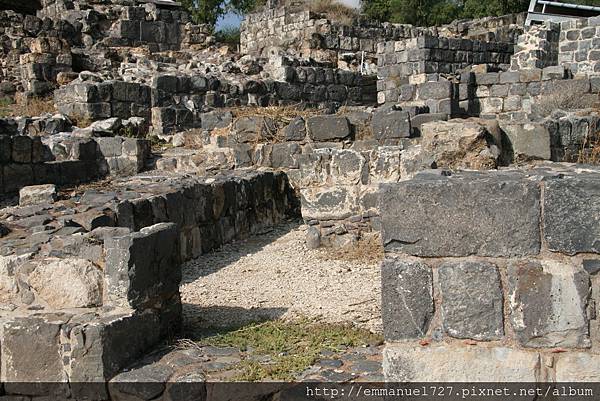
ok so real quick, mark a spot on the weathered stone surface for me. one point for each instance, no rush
(444, 363)
(334, 203)
(391, 124)
(135, 277)
(67, 283)
(313, 238)
(145, 382)
(31, 350)
(493, 214)
(328, 128)
(548, 302)
(472, 301)
(295, 130)
(103, 347)
(407, 298)
(37, 194)
(578, 367)
(460, 144)
(572, 214)
(528, 141)
(9, 265)
(347, 167)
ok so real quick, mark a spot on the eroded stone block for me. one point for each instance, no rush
(407, 298)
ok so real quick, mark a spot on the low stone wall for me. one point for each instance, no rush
(506, 260)
(64, 159)
(82, 291)
(507, 95)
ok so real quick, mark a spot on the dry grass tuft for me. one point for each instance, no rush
(546, 105)
(590, 150)
(367, 250)
(334, 11)
(32, 107)
(80, 121)
(277, 118)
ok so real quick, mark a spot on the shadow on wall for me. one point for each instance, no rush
(200, 322)
(21, 6)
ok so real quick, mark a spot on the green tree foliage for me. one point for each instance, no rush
(209, 11)
(438, 12)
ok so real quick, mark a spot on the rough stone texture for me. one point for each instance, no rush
(548, 304)
(391, 124)
(67, 283)
(37, 194)
(472, 302)
(444, 363)
(407, 298)
(460, 144)
(528, 141)
(489, 215)
(328, 128)
(31, 350)
(578, 367)
(572, 214)
(136, 277)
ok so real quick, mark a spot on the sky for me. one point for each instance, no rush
(233, 19)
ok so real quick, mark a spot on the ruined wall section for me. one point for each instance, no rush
(579, 46)
(100, 286)
(543, 233)
(407, 61)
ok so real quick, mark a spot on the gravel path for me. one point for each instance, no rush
(275, 276)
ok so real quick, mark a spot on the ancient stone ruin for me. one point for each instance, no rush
(466, 150)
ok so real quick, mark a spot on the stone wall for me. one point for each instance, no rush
(304, 34)
(63, 159)
(579, 45)
(521, 245)
(177, 102)
(404, 62)
(537, 47)
(87, 297)
(528, 94)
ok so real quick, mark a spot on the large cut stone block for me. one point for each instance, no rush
(334, 203)
(492, 214)
(100, 348)
(472, 301)
(445, 363)
(407, 298)
(37, 194)
(391, 124)
(528, 141)
(578, 367)
(572, 214)
(142, 268)
(348, 167)
(461, 144)
(328, 128)
(548, 303)
(67, 283)
(31, 350)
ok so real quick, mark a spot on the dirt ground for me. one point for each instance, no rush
(274, 276)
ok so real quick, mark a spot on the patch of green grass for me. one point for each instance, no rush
(292, 346)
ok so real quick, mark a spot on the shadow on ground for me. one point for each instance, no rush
(230, 253)
(199, 322)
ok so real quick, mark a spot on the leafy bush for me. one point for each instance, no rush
(229, 35)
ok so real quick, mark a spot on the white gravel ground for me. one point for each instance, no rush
(275, 275)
